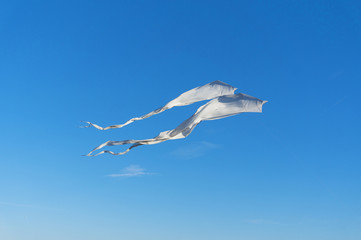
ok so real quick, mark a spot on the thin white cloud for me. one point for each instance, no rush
(260, 221)
(131, 171)
(195, 149)
(11, 204)
(16, 204)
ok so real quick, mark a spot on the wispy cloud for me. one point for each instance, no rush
(260, 221)
(131, 171)
(16, 204)
(195, 149)
(12, 204)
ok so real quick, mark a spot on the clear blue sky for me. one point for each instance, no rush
(292, 172)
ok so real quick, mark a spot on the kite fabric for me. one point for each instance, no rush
(206, 92)
(219, 107)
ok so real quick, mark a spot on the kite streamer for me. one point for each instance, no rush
(217, 108)
(206, 92)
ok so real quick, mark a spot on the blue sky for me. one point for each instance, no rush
(292, 172)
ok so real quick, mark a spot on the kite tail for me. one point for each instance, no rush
(109, 127)
(202, 93)
(111, 152)
(159, 110)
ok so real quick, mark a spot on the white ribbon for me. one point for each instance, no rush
(219, 107)
(206, 92)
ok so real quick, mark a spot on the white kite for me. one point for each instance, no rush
(224, 103)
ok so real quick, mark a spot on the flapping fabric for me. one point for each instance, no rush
(220, 107)
(206, 92)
